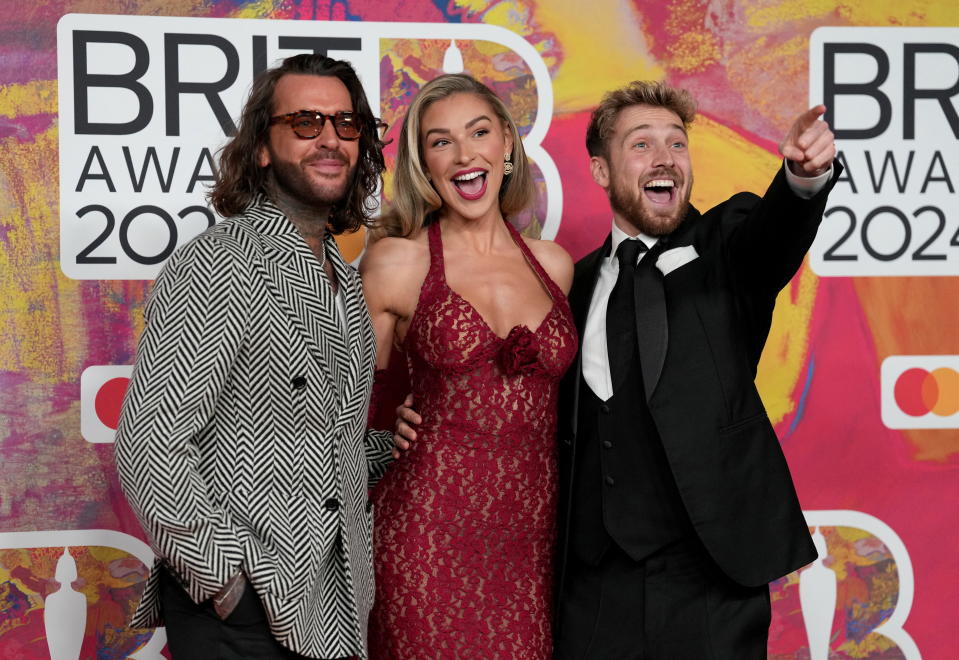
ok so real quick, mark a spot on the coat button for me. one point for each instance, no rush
(603, 408)
(610, 481)
(331, 504)
(299, 382)
(607, 444)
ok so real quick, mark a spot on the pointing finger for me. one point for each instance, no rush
(807, 118)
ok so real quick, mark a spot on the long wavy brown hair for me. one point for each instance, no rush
(415, 202)
(240, 178)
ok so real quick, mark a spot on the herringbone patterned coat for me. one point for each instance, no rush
(242, 442)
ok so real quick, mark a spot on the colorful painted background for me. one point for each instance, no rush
(747, 63)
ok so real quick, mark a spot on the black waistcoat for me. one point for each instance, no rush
(623, 489)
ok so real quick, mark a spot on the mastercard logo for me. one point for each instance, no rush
(102, 388)
(920, 391)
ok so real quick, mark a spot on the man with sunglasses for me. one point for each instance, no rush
(242, 444)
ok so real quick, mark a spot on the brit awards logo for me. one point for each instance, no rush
(853, 601)
(920, 391)
(145, 102)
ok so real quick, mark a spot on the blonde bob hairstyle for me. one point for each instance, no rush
(415, 202)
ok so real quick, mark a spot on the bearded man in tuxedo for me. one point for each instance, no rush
(677, 507)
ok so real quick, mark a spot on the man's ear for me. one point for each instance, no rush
(599, 168)
(263, 156)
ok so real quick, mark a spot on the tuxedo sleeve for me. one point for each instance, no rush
(195, 325)
(768, 237)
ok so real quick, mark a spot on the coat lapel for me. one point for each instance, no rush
(358, 333)
(299, 284)
(652, 327)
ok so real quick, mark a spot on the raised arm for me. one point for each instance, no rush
(769, 237)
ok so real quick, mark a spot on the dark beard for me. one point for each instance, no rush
(631, 209)
(293, 182)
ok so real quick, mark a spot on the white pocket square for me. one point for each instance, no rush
(670, 260)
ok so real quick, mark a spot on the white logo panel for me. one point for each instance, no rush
(65, 610)
(920, 391)
(145, 102)
(891, 96)
(101, 394)
(818, 585)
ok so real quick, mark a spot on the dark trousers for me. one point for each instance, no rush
(674, 605)
(195, 632)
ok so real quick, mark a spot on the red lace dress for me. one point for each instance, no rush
(465, 521)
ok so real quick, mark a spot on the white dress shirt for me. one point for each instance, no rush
(594, 353)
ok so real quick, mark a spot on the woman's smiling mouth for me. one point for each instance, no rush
(470, 184)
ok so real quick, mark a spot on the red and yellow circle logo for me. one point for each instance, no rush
(919, 392)
(109, 400)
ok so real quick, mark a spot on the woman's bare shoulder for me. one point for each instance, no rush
(555, 259)
(394, 252)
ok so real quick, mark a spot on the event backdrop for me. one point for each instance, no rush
(110, 115)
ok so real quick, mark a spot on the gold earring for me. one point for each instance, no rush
(507, 165)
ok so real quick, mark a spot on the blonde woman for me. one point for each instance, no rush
(465, 522)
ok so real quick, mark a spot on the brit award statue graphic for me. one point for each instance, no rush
(817, 596)
(453, 59)
(65, 613)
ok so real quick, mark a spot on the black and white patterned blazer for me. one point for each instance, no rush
(242, 443)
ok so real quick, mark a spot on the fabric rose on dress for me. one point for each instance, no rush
(519, 352)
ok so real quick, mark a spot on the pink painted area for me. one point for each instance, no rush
(842, 457)
(25, 127)
(586, 215)
(769, 145)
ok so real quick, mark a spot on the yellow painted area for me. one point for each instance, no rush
(781, 366)
(603, 47)
(872, 646)
(40, 329)
(139, 323)
(842, 552)
(725, 163)
(257, 9)
(36, 97)
(691, 40)
(769, 73)
(351, 245)
(694, 51)
(921, 13)
(141, 7)
(507, 14)
(774, 13)
(475, 6)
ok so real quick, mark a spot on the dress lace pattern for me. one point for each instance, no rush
(466, 520)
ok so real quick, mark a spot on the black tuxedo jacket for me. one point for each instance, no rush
(724, 455)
